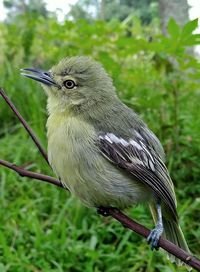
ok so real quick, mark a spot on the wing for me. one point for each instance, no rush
(138, 158)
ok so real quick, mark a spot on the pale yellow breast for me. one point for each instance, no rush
(69, 141)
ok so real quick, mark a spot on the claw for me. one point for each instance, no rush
(156, 233)
(103, 211)
(154, 237)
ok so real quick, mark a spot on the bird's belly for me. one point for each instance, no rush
(81, 167)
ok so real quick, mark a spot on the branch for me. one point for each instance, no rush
(25, 124)
(26, 173)
(115, 213)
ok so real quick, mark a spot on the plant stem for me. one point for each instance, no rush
(25, 124)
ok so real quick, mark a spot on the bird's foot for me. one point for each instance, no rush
(103, 211)
(154, 237)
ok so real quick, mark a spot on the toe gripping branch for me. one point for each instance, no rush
(103, 211)
(156, 233)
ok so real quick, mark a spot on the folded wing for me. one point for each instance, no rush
(138, 158)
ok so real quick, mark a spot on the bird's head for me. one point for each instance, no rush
(74, 82)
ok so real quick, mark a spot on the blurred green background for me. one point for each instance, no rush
(43, 228)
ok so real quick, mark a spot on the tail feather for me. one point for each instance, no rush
(173, 233)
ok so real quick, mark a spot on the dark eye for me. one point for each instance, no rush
(69, 84)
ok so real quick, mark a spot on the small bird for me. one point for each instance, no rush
(101, 150)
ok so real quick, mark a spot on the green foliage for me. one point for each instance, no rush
(19, 7)
(116, 9)
(45, 229)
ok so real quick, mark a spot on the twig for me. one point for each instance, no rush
(115, 213)
(25, 124)
(26, 173)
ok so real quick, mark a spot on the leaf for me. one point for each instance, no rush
(192, 40)
(93, 242)
(173, 28)
(189, 28)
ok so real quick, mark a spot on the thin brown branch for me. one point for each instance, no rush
(115, 213)
(24, 123)
(26, 173)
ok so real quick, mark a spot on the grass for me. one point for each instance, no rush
(43, 228)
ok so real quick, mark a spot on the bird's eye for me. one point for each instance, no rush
(69, 84)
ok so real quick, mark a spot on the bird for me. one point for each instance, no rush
(101, 150)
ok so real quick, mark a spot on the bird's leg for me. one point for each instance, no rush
(156, 233)
(103, 211)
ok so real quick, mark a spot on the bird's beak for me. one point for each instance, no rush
(38, 75)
